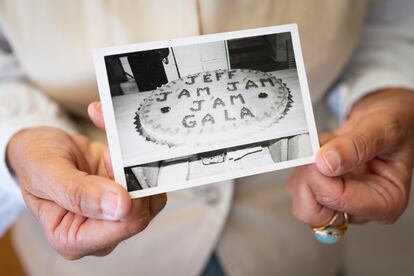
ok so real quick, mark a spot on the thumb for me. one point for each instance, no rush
(371, 137)
(94, 197)
(88, 195)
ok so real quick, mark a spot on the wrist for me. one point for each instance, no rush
(393, 100)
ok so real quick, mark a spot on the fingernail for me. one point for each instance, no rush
(110, 205)
(332, 160)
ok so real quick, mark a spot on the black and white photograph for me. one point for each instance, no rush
(192, 111)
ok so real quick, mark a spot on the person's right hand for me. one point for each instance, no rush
(66, 182)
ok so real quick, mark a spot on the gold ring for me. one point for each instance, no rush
(330, 233)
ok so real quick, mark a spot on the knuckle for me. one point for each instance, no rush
(392, 125)
(301, 215)
(394, 204)
(332, 196)
(62, 244)
(73, 196)
(105, 252)
(333, 200)
(391, 131)
(63, 248)
(389, 213)
(70, 257)
(139, 224)
(399, 205)
(305, 214)
(360, 147)
(144, 221)
(390, 219)
(164, 201)
(311, 217)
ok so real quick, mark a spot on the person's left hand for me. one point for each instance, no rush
(364, 168)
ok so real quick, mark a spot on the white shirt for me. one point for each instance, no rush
(238, 221)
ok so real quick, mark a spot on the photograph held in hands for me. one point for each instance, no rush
(191, 111)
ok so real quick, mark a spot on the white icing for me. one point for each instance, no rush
(206, 108)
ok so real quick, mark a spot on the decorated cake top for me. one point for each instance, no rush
(211, 107)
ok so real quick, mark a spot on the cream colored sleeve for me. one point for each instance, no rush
(385, 56)
(21, 106)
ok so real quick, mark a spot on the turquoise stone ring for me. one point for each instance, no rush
(330, 234)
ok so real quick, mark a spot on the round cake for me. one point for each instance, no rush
(212, 107)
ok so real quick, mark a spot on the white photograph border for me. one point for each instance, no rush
(109, 114)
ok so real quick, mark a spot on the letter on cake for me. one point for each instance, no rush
(269, 80)
(250, 84)
(207, 77)
(219, 74)
(245, 112)
(163, 98)
(217, 102)
(191, 79)
(207, 89)
(184, 92)
(208, 118)
(231, 73)
(226, 116)
(238, 96)
(189, 123)
(231, 86)
(197, 105)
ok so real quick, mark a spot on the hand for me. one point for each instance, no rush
(364, 168)
(66, 182)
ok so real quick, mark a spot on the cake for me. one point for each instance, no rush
(212, 107)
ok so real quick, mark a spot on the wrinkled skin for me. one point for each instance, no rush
(67, 184)
(364, 168)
